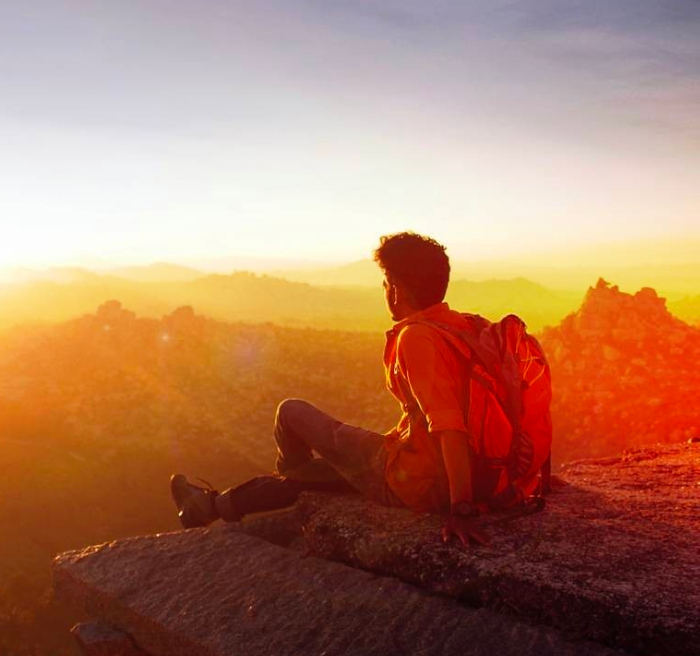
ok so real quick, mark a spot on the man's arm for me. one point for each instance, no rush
(455, 454)
(457, 459)
(426, 364)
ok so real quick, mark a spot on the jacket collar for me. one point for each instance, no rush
(431, 312)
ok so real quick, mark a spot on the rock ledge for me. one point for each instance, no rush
(612, 563)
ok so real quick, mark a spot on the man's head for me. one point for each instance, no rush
(416, 272)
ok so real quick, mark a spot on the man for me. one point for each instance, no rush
(423, 463)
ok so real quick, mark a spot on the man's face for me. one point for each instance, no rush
(390, 297)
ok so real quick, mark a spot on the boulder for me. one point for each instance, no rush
(614, 557)
(612, 562)
(219, 592)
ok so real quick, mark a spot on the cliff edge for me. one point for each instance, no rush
(611, 564)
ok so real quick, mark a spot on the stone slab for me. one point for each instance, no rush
(219, 592)
(614, 557)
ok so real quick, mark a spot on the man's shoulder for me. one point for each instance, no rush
(416, 331)
(428, 327)
(420, 336)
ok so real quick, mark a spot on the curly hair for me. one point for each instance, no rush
(420, 263)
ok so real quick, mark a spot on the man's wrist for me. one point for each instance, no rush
(465, 509)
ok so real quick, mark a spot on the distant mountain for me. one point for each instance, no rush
(362, 273)
(46, 301)
(535, 304)
(244, 296)
(251, 263)
(241, 296)
(58, 274)
(157, 272)
(673, 279)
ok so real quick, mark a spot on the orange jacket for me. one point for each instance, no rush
(425, 376)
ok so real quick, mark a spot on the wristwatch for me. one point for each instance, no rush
(465, 509)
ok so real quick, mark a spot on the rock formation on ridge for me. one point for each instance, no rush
(624, 373)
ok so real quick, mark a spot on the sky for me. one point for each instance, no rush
(151, 130)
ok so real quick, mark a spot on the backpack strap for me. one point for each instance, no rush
(489, 350)
(486, 352)
(412, 408)
(411, 405)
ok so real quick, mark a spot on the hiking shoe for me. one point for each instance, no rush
(195, 504)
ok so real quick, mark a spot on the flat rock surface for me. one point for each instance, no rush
(217, 591)
(614, 557)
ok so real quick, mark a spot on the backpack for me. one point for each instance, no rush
(507, 410)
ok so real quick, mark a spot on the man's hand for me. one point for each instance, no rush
(465, 529)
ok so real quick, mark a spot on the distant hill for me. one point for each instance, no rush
(157, 272)
(241, 296)
(46, 301)
(535, 304)
(362, 273)
(58, 274)
(674, 279)
(244, 296)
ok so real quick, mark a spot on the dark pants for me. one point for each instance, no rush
(350, 459)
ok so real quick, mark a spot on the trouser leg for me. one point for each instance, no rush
(351, 452)
(351, 458)
(292, 449)
(266, 493)
(299, 429)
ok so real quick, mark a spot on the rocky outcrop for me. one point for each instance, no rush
(613, 559)
(218, 592)
(624, 373)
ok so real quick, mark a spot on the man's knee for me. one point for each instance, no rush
(287, 409)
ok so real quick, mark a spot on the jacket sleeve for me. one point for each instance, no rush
(431, 369)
